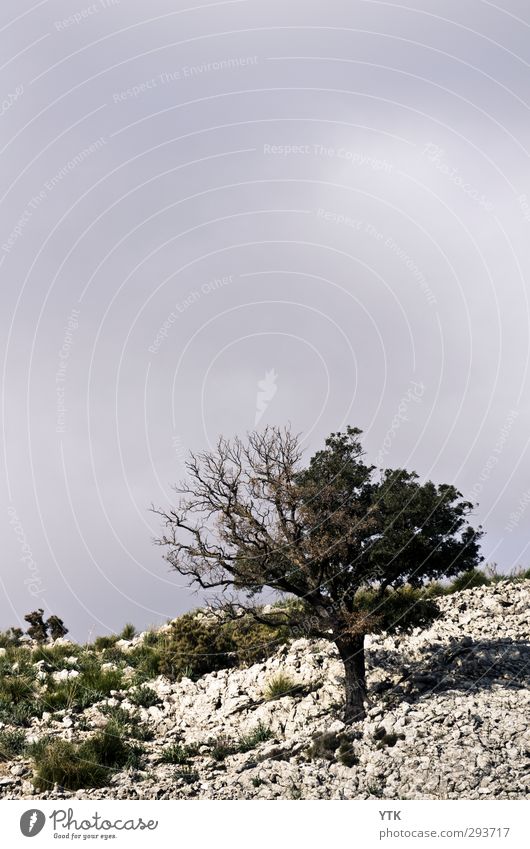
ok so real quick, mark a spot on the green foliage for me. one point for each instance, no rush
(221, 747)
(187, 774)
(16, 688)
(260, 734)
(12, 743)
(179, 753)
(195, 647)
(53, 655)
(38, 630)
(128, 631)
(21, 714)
(106, 641)
(145, 659)
(324, 746)
(56, 627)
(11, 637)
(280, 685)
(129, 723)
(151, 638)
(396, 609)
(83, 765)
(468, 580)
(92, 685)
(143, 697)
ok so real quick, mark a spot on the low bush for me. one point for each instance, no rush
(129, 723)
(12, 743)
(260, 734)
(179, 753)
(279, 686)
(105, 641)
(468, 580)
(195, 646)
(83, 765)
(128, 631)
(143, 697)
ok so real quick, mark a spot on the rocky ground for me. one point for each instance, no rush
(447, 719)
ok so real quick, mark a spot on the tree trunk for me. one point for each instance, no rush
(351, 651)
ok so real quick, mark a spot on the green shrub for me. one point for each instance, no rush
(105, 642)
(12, 743)
(54, 655)
(468, 580)
(144, 697)
(129, 723)
(259, 734)
(92, 685)
(194, 646)
(128, 631)
(17, 688)
(324, 746)
(221, 747)
(11, 637)
(83, 765)
(21, 714)
(151, 638)
(145, 660)
(187, 774)
(280, 685)
(113, 654)
(179, 753)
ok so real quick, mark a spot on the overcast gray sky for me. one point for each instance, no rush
(216, 215)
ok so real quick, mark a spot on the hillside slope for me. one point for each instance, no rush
(447, 719)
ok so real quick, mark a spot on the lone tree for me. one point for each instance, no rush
(38, 629)
(354, 545)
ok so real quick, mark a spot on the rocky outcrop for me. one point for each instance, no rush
(447, 719)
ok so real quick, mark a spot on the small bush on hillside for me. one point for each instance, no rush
(260, 734)
(56, 627)
(92, 685)
(468, 580)
(179, 753)
(11, 637)
(21, 714)
(146, 661)
(106, 641)
(144, 697)
(38, 630)
(12, 743)
(129, 723)
(128, 631)
(280, 685)
(88, 764)
(54, 655)
(195, 647)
